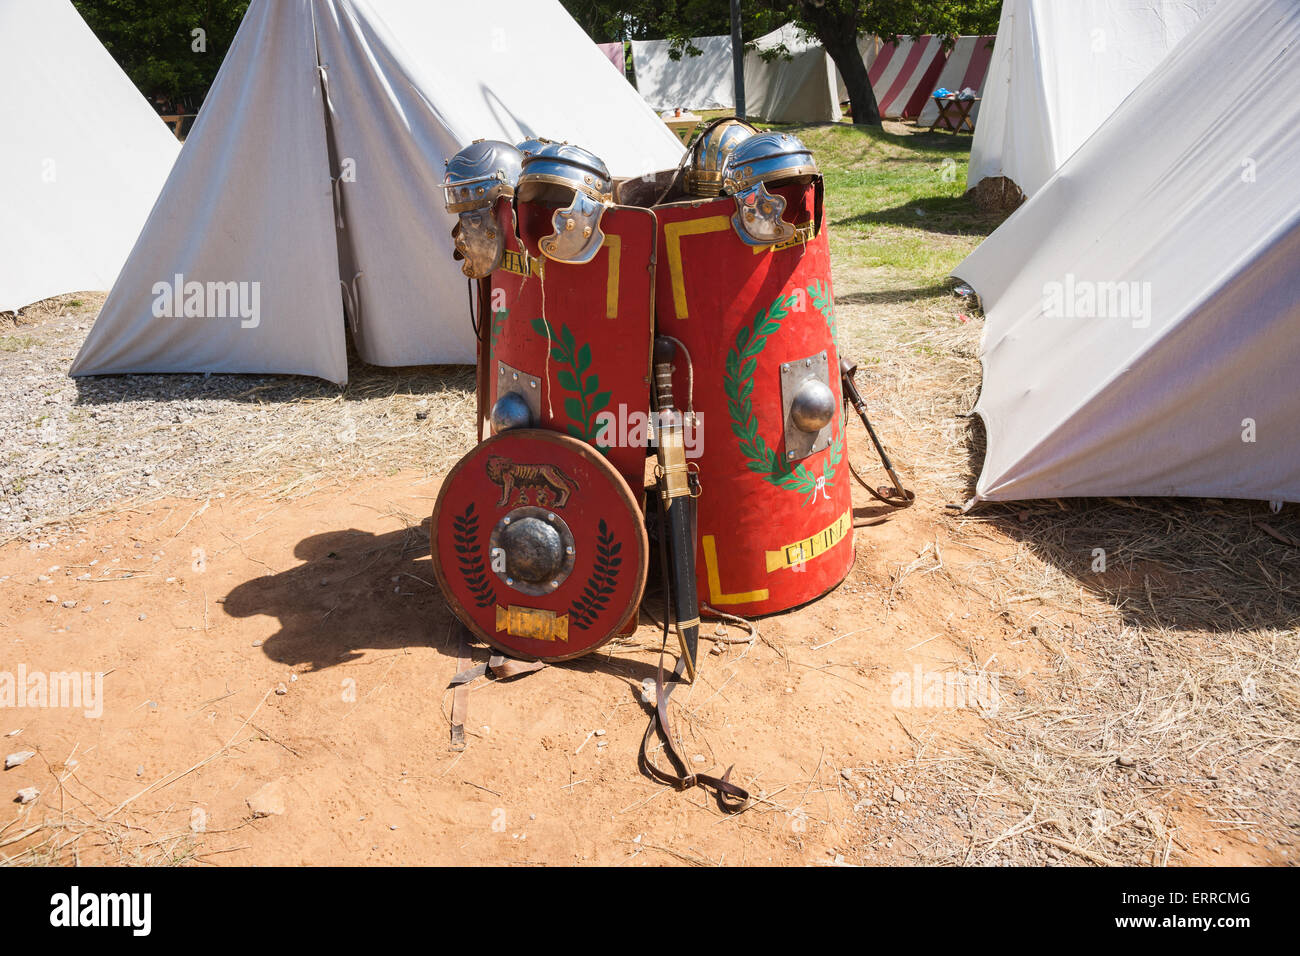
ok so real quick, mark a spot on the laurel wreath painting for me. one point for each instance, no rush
(589, 401)
(498, 326)
(738, 383)
(604, 576)
(469, 556)
(821, 297)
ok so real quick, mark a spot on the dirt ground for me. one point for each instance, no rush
(245, 561)
(302, 645)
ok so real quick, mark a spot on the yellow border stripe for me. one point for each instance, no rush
(673, 233)
(716, 596)
(615, 246)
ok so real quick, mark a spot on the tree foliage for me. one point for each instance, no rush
(155, 43)
(836, 24)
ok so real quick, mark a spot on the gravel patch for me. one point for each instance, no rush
(72, 447)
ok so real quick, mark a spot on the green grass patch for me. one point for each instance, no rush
(17, 343)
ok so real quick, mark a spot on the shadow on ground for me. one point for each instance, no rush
(356, 591)
(942, 215)
(1188, 564)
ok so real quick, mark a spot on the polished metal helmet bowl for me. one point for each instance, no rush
(760, 160)
(578, 185)
(531, 145)
(477, 176)
(480, 174)
(709, 154)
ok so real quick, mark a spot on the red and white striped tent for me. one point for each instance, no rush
(904, 74)
(967, 65)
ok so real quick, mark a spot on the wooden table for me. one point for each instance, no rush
(176, 121)
(683, 128)
(954, 114)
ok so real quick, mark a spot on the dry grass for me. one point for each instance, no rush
(1179, 659)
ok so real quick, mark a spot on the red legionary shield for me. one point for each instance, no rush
(575, 339)
(516, 290)
(539, 545)
(775, 506)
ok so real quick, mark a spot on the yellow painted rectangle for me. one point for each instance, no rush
(533, 623)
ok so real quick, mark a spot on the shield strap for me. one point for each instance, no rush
(731, 798)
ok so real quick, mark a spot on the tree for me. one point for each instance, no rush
(836, 24)
(156, 43)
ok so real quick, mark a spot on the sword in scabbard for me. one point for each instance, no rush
(677, 508)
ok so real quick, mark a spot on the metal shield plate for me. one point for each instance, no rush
(539, 545)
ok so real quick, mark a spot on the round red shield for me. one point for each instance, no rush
(539, 545)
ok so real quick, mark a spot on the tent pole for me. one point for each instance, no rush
(738, 58)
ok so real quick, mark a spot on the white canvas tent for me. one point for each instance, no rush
(342, 112)
(1059, 70)
(802, 89)
(82, 158)
(703, 82)
(1143, 309)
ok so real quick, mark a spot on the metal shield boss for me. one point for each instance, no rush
(538, 545)
(775, 517)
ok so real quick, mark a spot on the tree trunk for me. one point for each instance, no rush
(843, 49)
(836, 26)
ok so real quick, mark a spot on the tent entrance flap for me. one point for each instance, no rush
(349, 272)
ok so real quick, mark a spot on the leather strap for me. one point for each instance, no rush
(731, 798)
(481, 320)
(501, 667)
(460, 698)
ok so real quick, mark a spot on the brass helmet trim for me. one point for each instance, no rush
(480, 174)
(709, 154)
(757, 162)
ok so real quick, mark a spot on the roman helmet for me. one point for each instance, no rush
(577, 185)
(761, 160)
(531, 145)
(480, 174)
(709, 154)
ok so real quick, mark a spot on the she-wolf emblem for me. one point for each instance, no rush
(543, 480)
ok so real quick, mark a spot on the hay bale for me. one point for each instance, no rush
(997, 194)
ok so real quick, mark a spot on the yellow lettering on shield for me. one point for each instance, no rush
(516, 262)
(533, 623)
(818, 544)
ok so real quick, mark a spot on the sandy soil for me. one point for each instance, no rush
(200, 611)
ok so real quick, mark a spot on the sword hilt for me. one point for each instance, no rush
(663, 363)
(672, 451)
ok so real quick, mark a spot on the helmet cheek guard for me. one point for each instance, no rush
(577, 236)
(754, 164)
(477, 176)
(565, 189)
(479, 242)
(758, 218)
